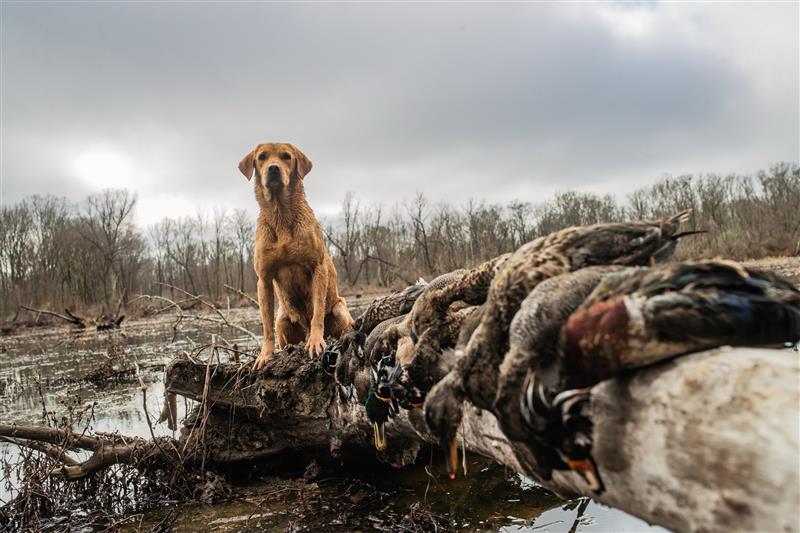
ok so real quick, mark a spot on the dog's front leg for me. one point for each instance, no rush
(319, 290)
(266, 304)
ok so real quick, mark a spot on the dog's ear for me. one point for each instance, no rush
(303, 162)
(246, 165)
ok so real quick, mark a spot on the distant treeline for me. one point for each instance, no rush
(54, 254)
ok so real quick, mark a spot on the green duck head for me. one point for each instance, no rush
(378, 411)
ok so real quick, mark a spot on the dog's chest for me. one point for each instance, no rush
(288, 252)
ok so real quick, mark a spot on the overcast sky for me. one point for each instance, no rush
(495, 101)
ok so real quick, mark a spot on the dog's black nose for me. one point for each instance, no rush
(273, 170)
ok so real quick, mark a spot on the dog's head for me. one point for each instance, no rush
(275, 165)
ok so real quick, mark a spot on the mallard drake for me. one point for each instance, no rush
(627, 243)
(379, 405)
(627, 319)
(378, 413)
(357, 370)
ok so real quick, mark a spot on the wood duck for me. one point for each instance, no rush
(627, 319)
(567, 250)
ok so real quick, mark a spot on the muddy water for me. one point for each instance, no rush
(43, 369)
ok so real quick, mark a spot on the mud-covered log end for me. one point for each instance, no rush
(708, 441)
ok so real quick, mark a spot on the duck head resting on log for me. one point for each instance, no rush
(475, 375)
(581, 328)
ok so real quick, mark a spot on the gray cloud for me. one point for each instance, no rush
(459, 100)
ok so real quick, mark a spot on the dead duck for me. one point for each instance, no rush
(534, 333)
(395, 304)
(434, 324)
(432, 310)
(351, 344)
(379, 406)
(349, 350)
(570, 249)
(387, 343)
(420, 365)
(627, 319)
(427, 360)
(356, 371)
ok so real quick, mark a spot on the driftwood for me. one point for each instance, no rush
(705, 442)
(107, 450)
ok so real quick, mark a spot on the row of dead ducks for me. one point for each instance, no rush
(525, 335)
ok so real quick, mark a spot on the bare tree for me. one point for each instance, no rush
(106, 218)
(243, 229)
(53, 254)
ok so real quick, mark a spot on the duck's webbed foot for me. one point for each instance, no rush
(561, 431)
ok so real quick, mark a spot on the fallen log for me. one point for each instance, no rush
(107, 449)
(70, 317)
(705, 442)
(101, 323)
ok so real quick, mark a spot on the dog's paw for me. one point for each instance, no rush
(315, 345)
(263, 357)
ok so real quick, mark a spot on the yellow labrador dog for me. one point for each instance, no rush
(291, 260)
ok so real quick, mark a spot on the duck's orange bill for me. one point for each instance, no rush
(380, 435)
(452, 458)
(588, 471)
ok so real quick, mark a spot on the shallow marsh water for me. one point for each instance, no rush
(45, 366)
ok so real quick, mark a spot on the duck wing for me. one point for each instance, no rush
(389, 306)
(642, 316)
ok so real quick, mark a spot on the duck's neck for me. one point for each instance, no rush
(285, 209)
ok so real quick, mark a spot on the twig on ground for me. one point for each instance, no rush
(243, 294)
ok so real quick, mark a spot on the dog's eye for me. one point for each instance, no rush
(262, 156)
(286, 156)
